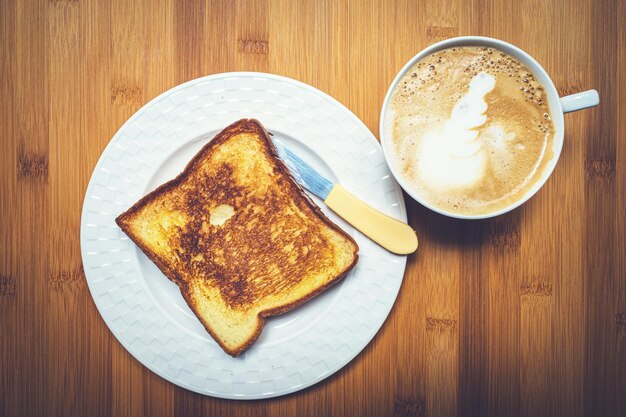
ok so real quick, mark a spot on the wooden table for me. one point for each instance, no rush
(521, 315)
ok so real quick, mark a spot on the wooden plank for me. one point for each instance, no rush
(501, 267)
(29, 204)
(204, 38)
(12, 378)
(65, 77)
(599, 238)
(620, 215)
(77, 352)
(320, 59)
(472, 378)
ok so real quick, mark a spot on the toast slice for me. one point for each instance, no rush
(238, 236)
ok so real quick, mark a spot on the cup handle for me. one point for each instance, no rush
(580, 101)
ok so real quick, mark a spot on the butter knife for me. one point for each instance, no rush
(390, 233)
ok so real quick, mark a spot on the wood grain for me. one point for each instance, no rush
(523, 315)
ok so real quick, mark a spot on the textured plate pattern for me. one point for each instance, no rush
(295, 350)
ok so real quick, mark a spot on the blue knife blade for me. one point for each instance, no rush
(303, 173)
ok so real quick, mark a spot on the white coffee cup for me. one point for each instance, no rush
(558, 107)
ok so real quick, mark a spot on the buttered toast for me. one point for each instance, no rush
(239, 236)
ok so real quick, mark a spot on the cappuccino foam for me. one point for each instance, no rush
(470, 129)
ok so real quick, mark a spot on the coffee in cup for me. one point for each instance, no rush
(469, 129)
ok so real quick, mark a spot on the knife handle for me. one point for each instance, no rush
(391, 234)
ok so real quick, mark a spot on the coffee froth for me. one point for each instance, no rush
(470, 129)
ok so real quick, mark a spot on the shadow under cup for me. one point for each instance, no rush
(554, 104)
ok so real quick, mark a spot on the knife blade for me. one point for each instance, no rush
(390, 233)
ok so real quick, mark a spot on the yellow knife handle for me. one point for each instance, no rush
(391, 234)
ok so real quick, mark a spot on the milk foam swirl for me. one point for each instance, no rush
(453, 158)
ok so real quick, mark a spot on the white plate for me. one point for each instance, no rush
(146, 312)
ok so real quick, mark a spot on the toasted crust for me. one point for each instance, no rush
(178, 272)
